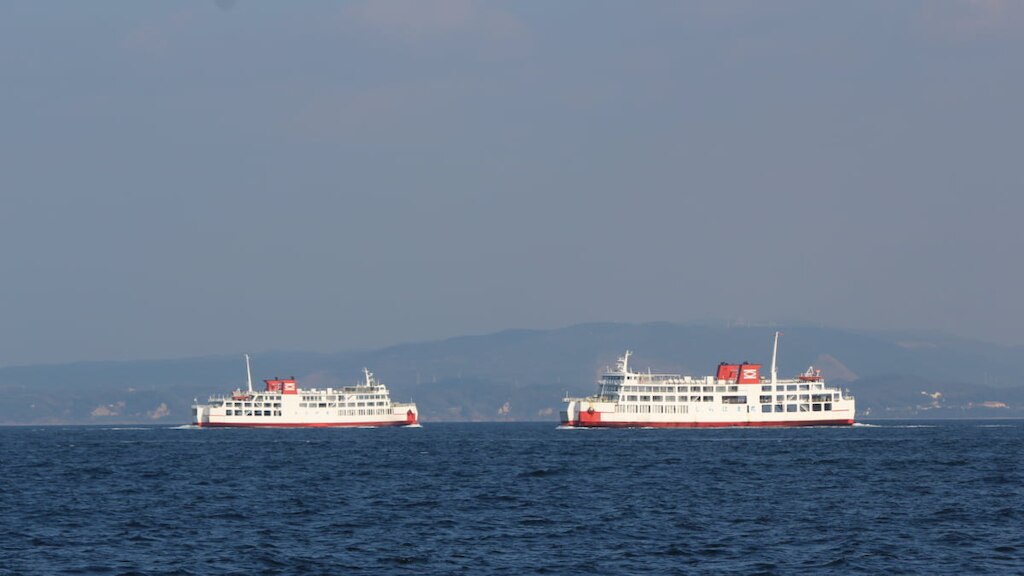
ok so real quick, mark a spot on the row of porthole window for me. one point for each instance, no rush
(816, 407)
(779, 398)
(659, 409)
(340, 404)
(791, 387)
(673, 389)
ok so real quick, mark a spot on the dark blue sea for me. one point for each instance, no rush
(889, 498)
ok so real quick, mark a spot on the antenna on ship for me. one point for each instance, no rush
(775, 352)
(248, 372)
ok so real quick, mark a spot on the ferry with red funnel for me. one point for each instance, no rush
(737, 395)
(282, 404)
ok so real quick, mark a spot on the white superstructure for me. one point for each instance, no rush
(284, 405)
(736, 396)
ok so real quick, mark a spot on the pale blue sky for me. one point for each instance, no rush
(186, 178)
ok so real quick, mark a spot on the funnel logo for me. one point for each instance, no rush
(750, 373)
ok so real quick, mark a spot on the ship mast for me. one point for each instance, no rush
(775, 352)
(248, 372)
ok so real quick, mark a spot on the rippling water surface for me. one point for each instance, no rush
(944, 497)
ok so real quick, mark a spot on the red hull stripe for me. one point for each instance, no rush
(607, 424)
(303, 425)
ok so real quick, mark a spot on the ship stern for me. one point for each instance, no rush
(200, 415)
(570, 414)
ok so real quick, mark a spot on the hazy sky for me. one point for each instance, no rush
(185, 178)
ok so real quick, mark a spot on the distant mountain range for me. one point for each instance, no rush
(519, 375)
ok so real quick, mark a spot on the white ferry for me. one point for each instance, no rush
(284, 405)
(736, 396)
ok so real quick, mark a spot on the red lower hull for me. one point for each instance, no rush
(306, 425)
(606, 424)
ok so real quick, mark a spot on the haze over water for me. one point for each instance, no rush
(242, 176)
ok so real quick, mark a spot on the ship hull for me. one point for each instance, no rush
(583, 413)
(395, 424)
(778, 424)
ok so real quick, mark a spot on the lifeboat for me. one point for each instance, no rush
(811, 375)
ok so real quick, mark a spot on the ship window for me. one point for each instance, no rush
(259, 412)
(734, 389)
(766, 408)
(804, 387)
(828, 406)
(631, 398)
(248, 404)
(816, 407)
(302, 404)
(804, 408)
(791, 387)
(779, 408)
(734, 399)
(805, 397)
(790, 407)
(719, 388)
(766, 388)
(322, 405)
(780, 388)
(709, 399)
(780, 397)
(670, 398)
(277, 404)
(248, 412)
(645, 398)
(657, 398)
(766, 399)
(791, 397)
(683, 389)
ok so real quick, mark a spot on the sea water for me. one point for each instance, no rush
(892, 497)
